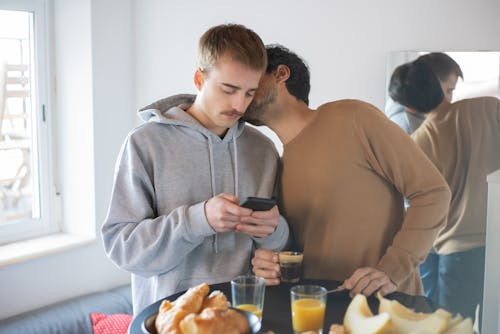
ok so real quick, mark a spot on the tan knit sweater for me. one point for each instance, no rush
(342, 180)
(463, 141)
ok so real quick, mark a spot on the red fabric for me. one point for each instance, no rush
(110, 324)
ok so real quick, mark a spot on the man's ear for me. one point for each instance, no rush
(282, 73)
(199, 78)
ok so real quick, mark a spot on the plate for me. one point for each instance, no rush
(148, 326)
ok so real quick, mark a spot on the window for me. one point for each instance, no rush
(481, 74)
(26, 194)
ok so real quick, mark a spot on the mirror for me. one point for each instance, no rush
(481, 71)
(481, 77)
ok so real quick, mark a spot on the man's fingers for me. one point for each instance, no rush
(374, 285)
(255, 230)
(226, 223)
(261, 264)
(263, 217)
(237, 210)
(367, 281)
(387, 288)
(258, 221)
(266, 254)
(266, 215)
(355, 277)
(229, 218)
(360, 285)
(273, 281)
(262, 272)
(265, 264)
(271, 276)
(229, 197)
(230, 204)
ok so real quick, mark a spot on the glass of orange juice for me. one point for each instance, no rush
(308, 308)
(247, 294)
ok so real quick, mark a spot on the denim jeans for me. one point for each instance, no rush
(455, 281)
(429, 274)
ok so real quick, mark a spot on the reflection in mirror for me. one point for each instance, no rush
(462, 139)
(481, 71)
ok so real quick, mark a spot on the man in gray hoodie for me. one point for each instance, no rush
(174, 219)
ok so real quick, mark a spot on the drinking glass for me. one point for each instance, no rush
(247, 294)
(308, 304)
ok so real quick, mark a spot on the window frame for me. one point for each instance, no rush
(42, 153)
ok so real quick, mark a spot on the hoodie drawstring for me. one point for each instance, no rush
(212, 178)
(212, 183)
(235, 148)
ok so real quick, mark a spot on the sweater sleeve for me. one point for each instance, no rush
(276, 241)
(135, 238)
(397, 159)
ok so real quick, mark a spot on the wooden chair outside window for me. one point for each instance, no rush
(14, 130)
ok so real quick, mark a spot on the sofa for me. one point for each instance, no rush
(72, 316)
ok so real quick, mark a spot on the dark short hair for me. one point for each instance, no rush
(299, 82)
(415, 86)
(241, 43)
(442, 65)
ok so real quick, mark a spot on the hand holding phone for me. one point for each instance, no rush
(264, 219)
(258, 203)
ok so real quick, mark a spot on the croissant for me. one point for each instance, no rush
(216, 299)
(213, 320)
(170, 314)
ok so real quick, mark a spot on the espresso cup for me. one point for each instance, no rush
(290, 266)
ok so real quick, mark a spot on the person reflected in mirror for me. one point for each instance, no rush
(345, 170)
(462, 139)
(447, 70)
(174, 220)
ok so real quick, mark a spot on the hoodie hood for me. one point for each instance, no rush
(172, 110)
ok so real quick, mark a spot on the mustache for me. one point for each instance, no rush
(233, 113)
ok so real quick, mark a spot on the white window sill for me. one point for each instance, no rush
(34, 248)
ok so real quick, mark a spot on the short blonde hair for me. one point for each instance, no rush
(240, 43)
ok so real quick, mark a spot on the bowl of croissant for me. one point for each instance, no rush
(196, 311)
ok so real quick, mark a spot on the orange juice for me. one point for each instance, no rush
(251, 308)
(307, 314)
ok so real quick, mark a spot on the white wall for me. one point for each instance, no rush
(345, 42)
(72, 109)
(144, 50)
(113, 89)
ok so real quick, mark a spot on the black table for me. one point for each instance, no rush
(277, 314)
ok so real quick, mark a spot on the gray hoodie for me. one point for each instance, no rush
(407, 120)
(156, 226)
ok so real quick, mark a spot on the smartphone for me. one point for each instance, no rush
(258, 203)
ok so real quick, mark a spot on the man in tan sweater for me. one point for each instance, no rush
(346, 169)
(463, 140)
